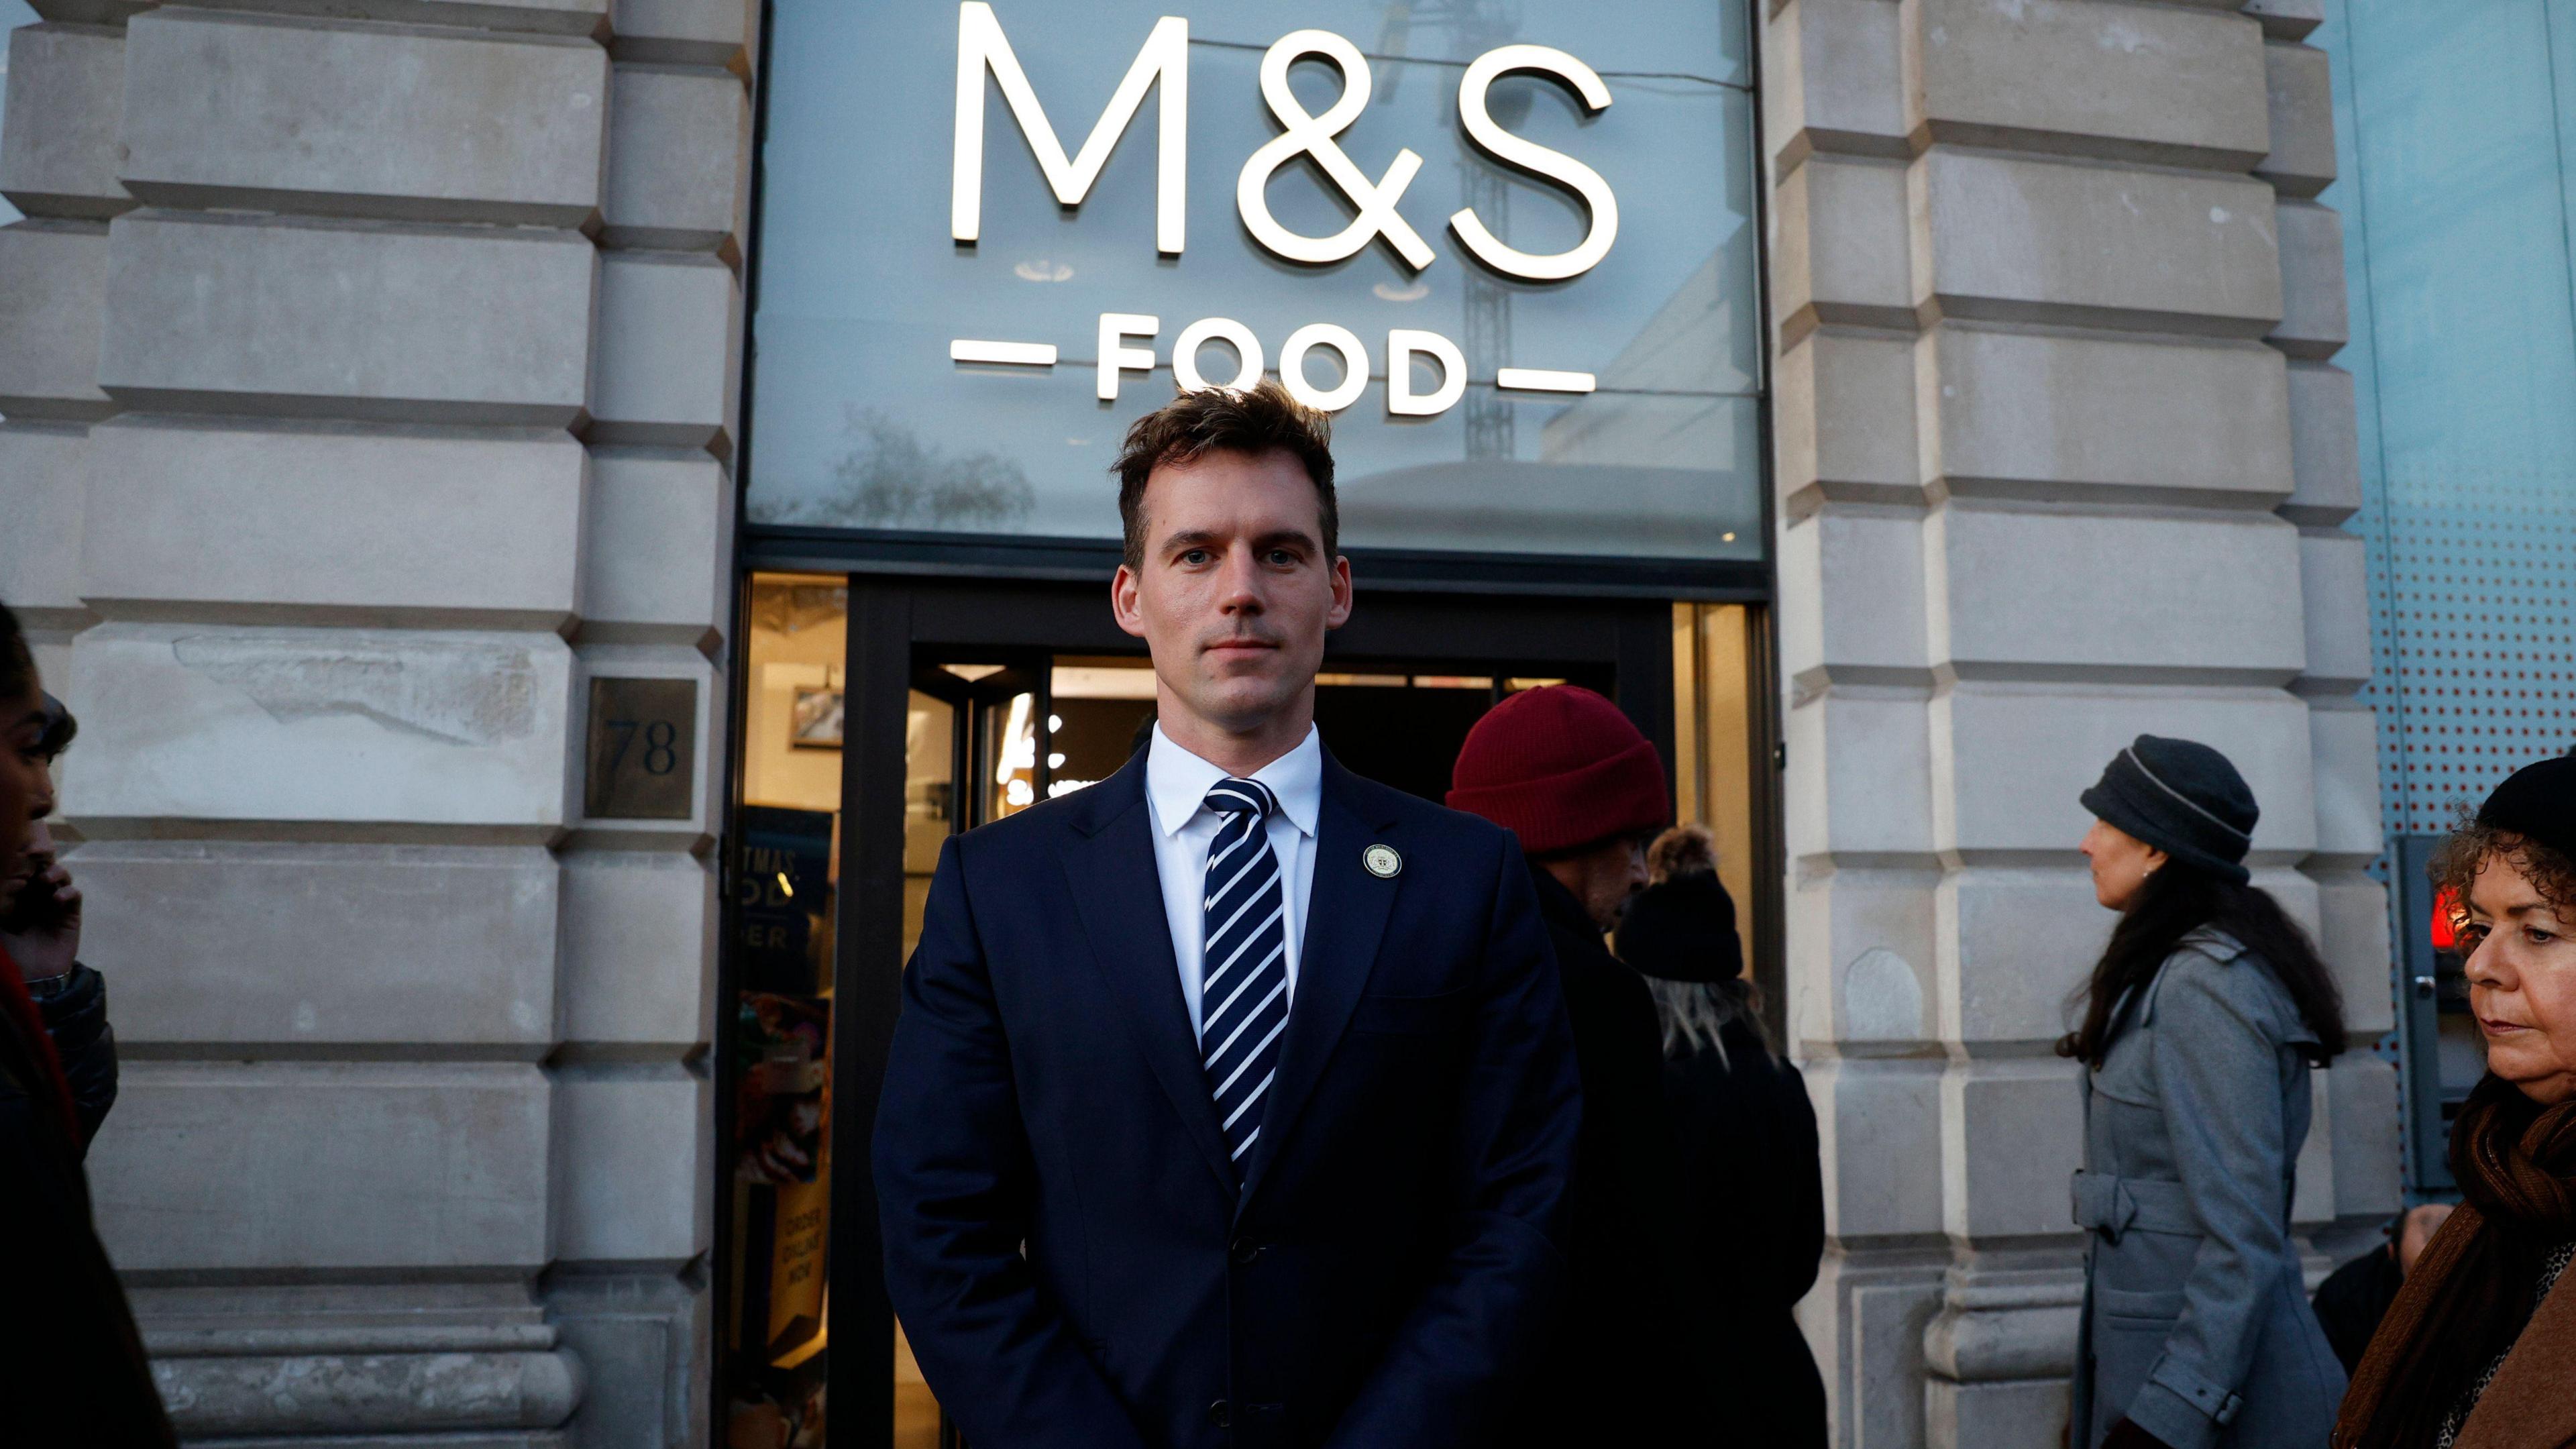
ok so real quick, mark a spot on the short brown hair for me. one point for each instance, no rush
(2471, 844)
(1256, 421)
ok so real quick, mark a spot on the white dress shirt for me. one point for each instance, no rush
(1176, 787)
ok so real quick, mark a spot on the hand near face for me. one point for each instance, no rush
(50, 948)
(40, 910)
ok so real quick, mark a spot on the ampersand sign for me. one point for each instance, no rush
(1313, 135)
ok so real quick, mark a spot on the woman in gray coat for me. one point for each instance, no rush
(2200, 1024)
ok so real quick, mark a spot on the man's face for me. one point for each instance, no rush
(1235, 592)
(1605, 877)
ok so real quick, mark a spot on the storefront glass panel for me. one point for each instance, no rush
(860, 418)
(2456, 129)
(786, 883)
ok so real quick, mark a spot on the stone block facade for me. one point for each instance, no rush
(360, 411)
(2069, 467)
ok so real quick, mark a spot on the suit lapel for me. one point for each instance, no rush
(1117, 892)
(1346, 912)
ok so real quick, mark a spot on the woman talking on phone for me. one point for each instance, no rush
(72, 1370)
(40, 925)
(2200, 1024)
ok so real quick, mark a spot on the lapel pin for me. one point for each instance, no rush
(1382, 861)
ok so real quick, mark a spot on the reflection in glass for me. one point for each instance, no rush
(930, 750)
(862, 421)
(929, 801)
(1011, 745)
(785, 878)
(1102, 709)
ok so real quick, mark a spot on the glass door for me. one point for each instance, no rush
(888, 713)
(774, 1204)
(1040, 726)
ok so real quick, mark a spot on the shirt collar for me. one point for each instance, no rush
(1179, 782)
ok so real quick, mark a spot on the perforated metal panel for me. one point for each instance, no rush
(2473, 599)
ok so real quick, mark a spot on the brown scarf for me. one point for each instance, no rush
(2515, 1162)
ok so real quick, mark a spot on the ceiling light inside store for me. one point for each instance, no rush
(1092, 681)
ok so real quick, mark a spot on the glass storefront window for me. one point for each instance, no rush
(786, 885)
(862, 420)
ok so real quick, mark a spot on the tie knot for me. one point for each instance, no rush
(1242, 797)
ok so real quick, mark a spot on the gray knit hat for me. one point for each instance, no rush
(2183, 798)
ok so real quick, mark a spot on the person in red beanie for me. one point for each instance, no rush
(1583, 789)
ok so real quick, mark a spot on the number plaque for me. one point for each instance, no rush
(643, 760)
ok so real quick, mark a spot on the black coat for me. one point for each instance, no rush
(1753, 1215)
(2354, 1298)
(1618, 1372)
(72, 1369)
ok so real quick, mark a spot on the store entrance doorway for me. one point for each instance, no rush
(958, 703)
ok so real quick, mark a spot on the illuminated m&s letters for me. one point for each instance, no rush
(1164, 60)
(1310, 135)
(1532, 157)
(1403, 346)
(981, 46)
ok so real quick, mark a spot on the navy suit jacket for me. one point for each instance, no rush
(1065, 1240)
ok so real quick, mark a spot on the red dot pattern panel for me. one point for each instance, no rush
(2475, 653)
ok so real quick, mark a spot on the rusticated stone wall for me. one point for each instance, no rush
(2062, 458)
(370, 387)
(369, 371)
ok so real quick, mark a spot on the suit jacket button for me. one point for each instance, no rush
(1245, 1250)
(1221, 1414)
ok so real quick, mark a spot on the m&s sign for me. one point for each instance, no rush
(1162, 66)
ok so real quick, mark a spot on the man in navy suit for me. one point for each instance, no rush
(1232, 1102)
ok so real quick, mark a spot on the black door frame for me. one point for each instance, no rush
(892, 621)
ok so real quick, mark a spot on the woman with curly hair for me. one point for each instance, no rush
(2479, 1350)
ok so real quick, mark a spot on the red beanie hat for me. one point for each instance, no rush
(1562, 768)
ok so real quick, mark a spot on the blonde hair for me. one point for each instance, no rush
(1694, 1014)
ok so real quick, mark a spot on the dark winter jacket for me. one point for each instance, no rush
(1753, 1230)
(72, 1369)
(2354, 1298)
(1617, 1371)
(75, 1011)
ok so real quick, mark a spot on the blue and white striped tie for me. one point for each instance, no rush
(1243, 992)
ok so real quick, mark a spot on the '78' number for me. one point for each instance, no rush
(659, 738)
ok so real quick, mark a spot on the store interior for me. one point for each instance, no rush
(989, 734)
